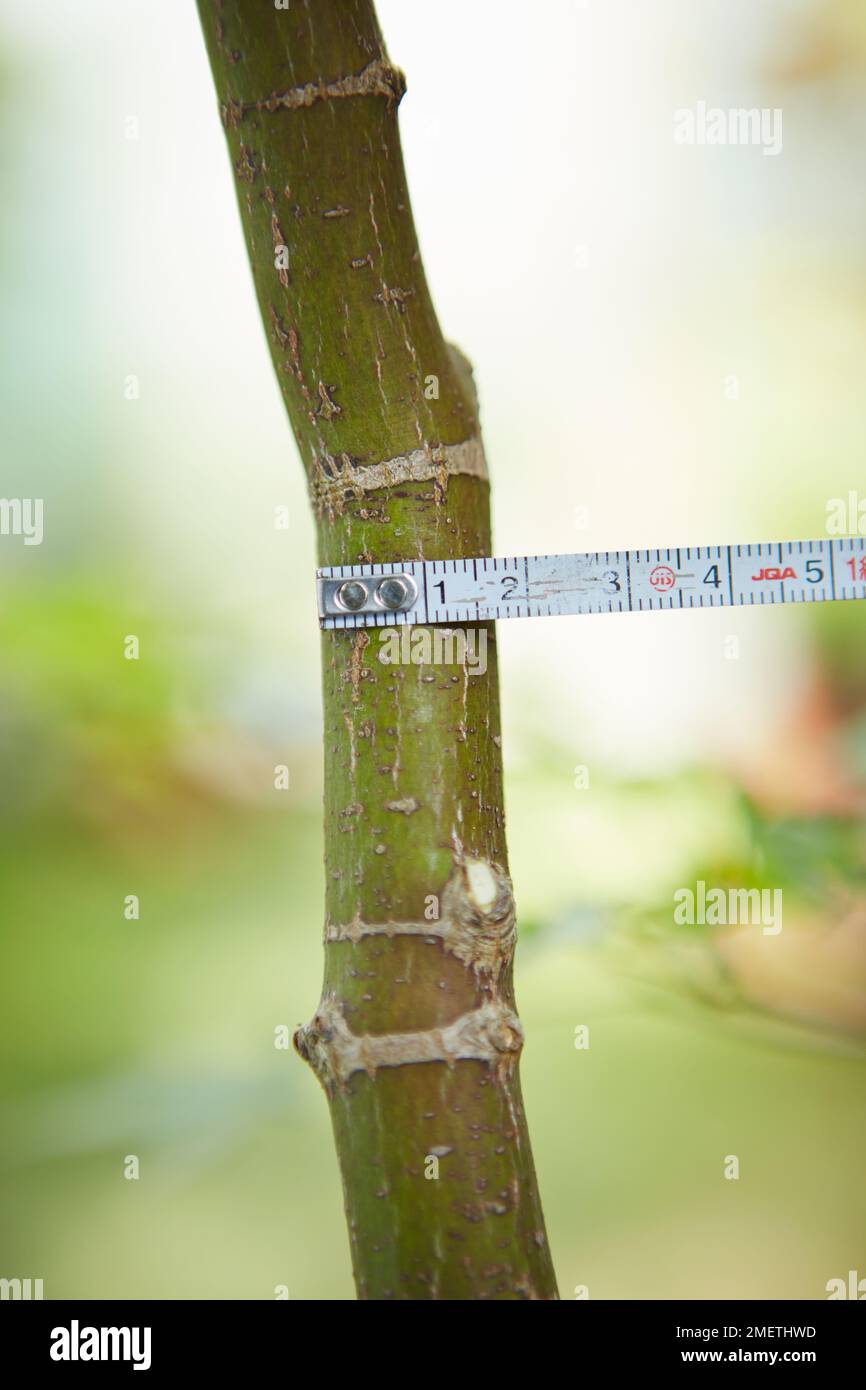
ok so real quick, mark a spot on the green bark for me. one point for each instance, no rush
(419, 912)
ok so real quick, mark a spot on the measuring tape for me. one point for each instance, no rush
(608, 581)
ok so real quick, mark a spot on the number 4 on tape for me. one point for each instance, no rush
(608, 581)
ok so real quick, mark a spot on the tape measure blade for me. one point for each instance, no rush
(754, 574)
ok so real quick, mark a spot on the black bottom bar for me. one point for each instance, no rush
(164, 1339)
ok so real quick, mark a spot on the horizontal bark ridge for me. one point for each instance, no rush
(477, 921)
(477, 924)
(334, 479)
(378, 78)
(491, 1034)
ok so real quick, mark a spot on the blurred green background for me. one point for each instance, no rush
(669, 344)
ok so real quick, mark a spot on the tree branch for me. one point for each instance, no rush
(416, 1039)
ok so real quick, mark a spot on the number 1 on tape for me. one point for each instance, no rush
(607, 581)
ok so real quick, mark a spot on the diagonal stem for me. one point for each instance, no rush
(416, 1039)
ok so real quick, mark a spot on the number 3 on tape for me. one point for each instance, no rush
(608, 581)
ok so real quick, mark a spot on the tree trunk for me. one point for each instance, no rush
(415, 1040)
